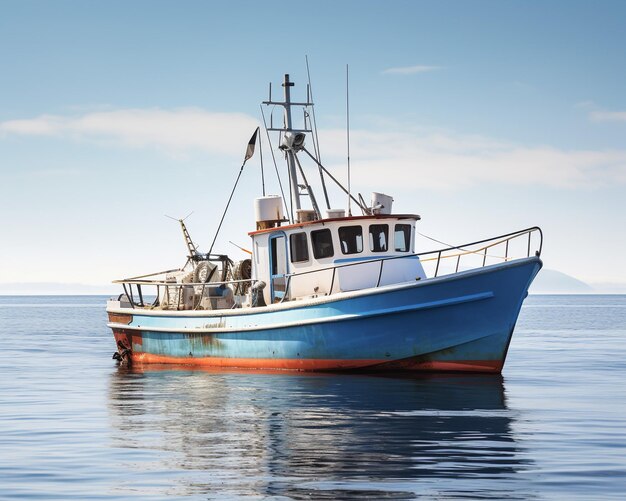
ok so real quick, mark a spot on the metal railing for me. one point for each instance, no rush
(492, 243)
(481, 249)
(179, 288)
(441, 254)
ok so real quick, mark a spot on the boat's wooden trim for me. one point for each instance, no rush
(120, 318)
(414, 217)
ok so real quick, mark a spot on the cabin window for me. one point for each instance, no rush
(379, 235)
(351, 239)
(322, 241)
(402, 237)
(299, 247)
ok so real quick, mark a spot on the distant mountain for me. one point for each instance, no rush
(54, 288)
(555, 282)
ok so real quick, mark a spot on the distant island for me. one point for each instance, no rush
(554, 282)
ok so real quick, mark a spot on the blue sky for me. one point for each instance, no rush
(483, 117)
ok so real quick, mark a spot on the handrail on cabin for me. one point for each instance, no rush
(510, 236)
(505, 238)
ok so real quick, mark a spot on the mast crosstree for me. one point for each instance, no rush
(292, 141)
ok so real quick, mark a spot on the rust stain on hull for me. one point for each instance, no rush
(204, 340)
(410, 364)
(126, 341)
(120, 318)
(128, 337)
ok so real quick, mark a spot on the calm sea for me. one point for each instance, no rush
(75, 426)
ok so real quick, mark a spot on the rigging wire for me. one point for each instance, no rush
(447, 244)
(280, 184)
(308, 188)
(219, 226)
(248, 156)
(434, 239)
(179, 220)
(348, 137)
(333, 178)
(262, 170)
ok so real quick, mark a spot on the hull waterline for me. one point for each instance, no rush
(461, 322)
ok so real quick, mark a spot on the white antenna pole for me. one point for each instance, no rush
(316, 141)
(291, 162)
(348, 137)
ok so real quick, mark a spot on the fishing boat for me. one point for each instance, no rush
(326, 290)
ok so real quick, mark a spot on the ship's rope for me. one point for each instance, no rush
(242, 270)
(479, 251)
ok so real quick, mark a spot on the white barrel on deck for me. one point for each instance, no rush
(305, 215)
(335, 213)
(269, 208)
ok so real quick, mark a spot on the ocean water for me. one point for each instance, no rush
(73, 425)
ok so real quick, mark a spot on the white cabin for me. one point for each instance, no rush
(309, 259)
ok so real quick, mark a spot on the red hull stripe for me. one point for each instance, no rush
(324, 364)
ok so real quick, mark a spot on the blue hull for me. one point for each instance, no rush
(458, 322)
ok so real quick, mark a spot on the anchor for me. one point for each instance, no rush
(123, 354)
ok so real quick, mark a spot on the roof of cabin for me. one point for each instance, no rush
(342, 219)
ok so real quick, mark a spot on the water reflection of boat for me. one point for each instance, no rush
(292, 434)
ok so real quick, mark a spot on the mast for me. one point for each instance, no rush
(291, 162)
(292, 142)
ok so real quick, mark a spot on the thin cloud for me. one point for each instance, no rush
(596, 114)
(410, 158)
(585, 105)
(178, 129)
(410, 70)
(451, 161)
(608, 116)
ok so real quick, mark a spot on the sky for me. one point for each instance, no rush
(483, 117)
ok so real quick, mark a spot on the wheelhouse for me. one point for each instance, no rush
(326, 256)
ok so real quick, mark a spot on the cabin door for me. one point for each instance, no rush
(278, 266)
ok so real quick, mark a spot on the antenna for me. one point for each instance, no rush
(191, 247)
(315, 138)
(348, 137)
